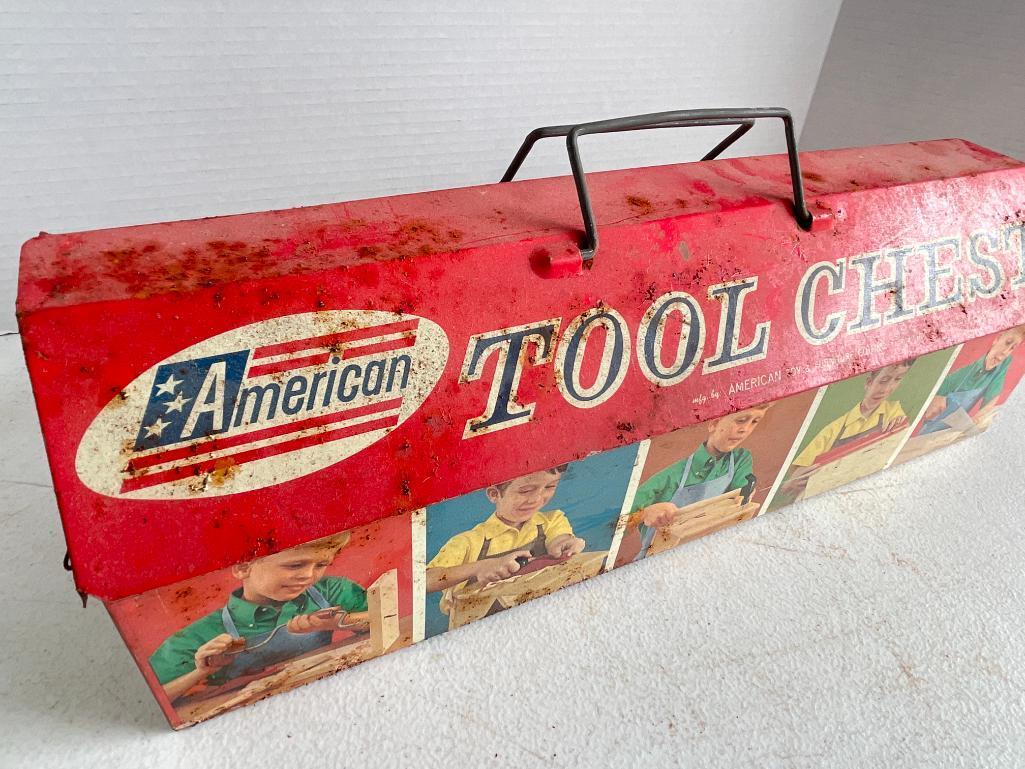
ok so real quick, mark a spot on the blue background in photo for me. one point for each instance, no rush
(590, 494)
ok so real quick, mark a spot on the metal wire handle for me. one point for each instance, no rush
(742, 118)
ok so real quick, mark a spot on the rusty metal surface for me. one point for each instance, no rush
(106, 315)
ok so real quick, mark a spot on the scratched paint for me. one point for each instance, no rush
(183, 415)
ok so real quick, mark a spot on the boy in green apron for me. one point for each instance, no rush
(517, 531)
(717, 466)
(874, 413)
(977, 384)
(285, 607)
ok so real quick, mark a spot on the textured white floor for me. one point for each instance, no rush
(880, 625)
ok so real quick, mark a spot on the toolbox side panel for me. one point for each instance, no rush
(575, 521)
(201, 423)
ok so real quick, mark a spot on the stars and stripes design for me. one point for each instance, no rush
(316, 351)
(211, 414)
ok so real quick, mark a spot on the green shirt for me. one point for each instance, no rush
(176, 656)
(663, 485)
(973, 376)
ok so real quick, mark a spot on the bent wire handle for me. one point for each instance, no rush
(742, 118)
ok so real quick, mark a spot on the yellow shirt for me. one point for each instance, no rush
(850, 424)
(465, 547)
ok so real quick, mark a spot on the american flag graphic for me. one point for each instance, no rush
(213, 413)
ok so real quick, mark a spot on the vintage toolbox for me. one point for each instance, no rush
(285, 442)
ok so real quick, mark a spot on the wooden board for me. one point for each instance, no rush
(474, 603)
(854, 446)
(383, 607)
(961, 421)
(287, 675)
(671, 536)
(923, 444)
(575, 569)
(850, 467)
(699, 508)
(962, 425)
(984, 420)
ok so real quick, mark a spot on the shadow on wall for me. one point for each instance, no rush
(898, 72)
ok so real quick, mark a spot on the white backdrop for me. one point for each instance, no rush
(876, 626)
(112, 115)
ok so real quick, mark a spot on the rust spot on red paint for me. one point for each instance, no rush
(146, 267)
(415, 237)
(223, 471)
(78, 278)
(182, 594)
(216, 261)
(640, 204)
(812, 176)
(418, 227)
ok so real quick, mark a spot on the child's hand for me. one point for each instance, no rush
(503, 567)
(985, 415)
(936, 406)
(658, 515)
(565, 546)
(898, 423)
(327, 620)
(318, 622)
(216, 653)
(797, 483)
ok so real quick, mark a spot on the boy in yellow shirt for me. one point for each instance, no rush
(285, 607)
(874, 412)
(516, 532)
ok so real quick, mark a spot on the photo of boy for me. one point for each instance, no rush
(283, 608)
(517, 532)
(700, 479)
(718, 465)
(977, 384)
(859, 425)
(494, 548)
(229, 637)
(875, 415)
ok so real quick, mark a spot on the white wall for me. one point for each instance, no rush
(114, 115)
(923, 69)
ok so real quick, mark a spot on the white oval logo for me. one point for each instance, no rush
(262, 404)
